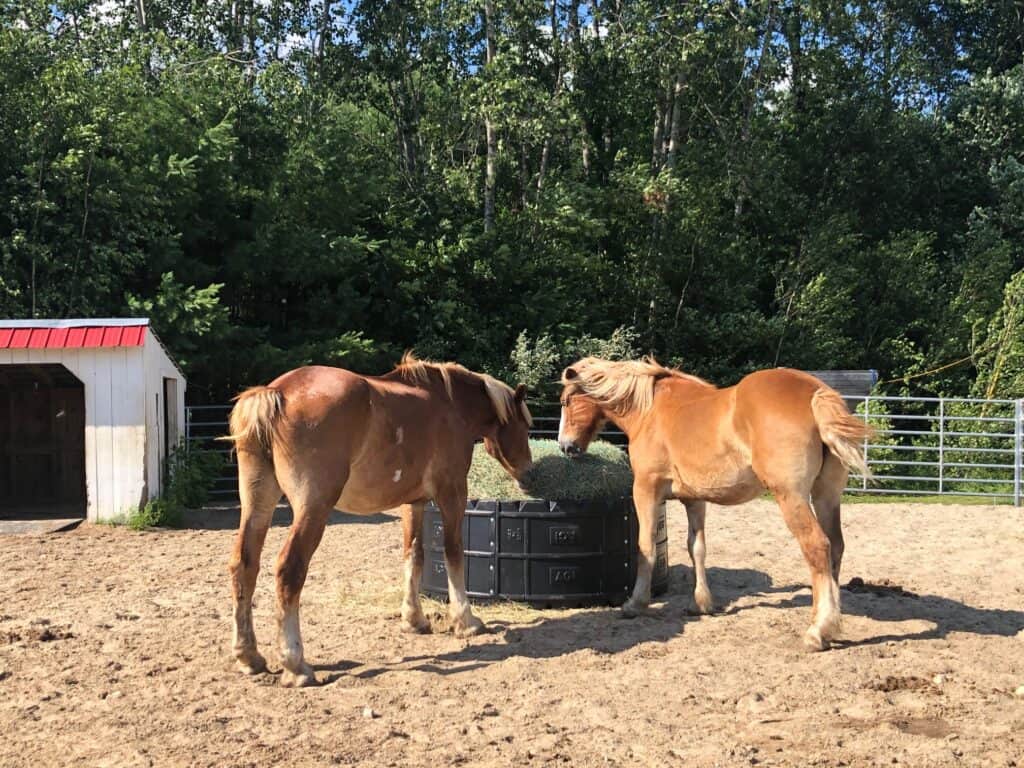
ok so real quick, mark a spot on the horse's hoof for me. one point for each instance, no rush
(304, 678)
(251, 663)
(703, 603)
(469, 627)
(630, 609)
(814, 642)
(418, 627)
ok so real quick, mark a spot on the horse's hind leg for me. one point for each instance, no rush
(817, 552)
(259, 494)
(826, 494)
(702, 598)
(292, 565)
(413, 619)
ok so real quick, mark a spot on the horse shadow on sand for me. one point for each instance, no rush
(601, 630)
(886, 602)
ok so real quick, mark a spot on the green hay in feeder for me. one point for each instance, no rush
(603, 472)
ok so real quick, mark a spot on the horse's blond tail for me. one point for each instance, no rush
(253, 419)
(843, 433)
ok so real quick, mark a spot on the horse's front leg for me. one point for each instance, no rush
(413, 619)
(647, 499)
(453, 507)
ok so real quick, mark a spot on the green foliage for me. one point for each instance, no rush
(1001, 363)
(157, 513)
(603, 472)
(188, 477)
(539, 364)
(534, 364)
(188, 319)
(726, 186)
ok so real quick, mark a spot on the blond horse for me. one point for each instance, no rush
(778, 430)
(327, 438)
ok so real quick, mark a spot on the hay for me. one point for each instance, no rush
(603, 472)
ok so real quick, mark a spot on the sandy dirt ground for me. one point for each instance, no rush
(114, 651)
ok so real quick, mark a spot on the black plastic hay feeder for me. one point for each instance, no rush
(546, 553)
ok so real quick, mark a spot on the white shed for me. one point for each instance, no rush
(89, 409)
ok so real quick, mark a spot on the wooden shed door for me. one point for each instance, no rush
(42, 442)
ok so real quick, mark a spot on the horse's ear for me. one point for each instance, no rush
(520, 393)
(569, 374)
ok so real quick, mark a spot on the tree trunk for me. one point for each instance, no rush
(524, 175)
(675, 132)
(657, 139)
(545, 154)
(325, 30)
(577, 39)
(744, 182)
(492, 142)
(794, 33)
(595, 18)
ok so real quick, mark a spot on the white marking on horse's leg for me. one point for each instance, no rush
(702, 598)
(399, 436)
(647, 507)
(244, 639)
(412, 610)
(297, 673)
(290, 639)
(397, 476)
(641, 597)
(459, 610)
(829, 616)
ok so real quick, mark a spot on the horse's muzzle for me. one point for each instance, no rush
(569, 448)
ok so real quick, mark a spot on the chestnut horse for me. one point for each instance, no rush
(328, 439)
(781, 430)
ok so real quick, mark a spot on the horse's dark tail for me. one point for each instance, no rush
(253, 421)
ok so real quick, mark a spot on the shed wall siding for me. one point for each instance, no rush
(115, 423)
(158, 367)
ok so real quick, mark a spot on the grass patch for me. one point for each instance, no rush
(603, 472)
(915, 498)
(158, 513)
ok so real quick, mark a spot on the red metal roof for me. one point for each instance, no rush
(44, 336)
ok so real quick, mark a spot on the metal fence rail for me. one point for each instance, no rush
(943, 446)
(203, 425)
(921, 447)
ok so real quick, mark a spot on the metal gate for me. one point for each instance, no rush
(923, 446)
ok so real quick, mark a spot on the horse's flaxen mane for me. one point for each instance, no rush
(622, 385)
(416, 371)
(502, 397)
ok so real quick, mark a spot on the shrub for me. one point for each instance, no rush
(188, 477)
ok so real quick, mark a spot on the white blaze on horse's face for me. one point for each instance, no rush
(567, 445)
(399, 436)
(397, 477)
